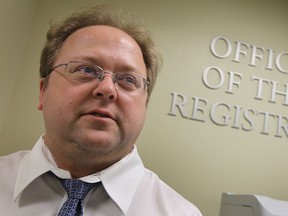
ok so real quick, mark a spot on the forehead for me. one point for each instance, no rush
(101, 43)
(102, 35)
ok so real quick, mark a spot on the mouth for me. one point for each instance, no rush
(99, 115)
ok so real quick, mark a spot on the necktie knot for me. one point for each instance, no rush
(76, 191)
(75, 188)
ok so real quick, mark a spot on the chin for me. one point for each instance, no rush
(99, 146)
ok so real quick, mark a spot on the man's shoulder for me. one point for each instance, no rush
(12, 161)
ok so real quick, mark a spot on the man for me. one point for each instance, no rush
(97, 74)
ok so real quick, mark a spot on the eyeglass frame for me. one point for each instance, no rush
(146, 83)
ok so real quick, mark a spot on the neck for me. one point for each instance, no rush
(80, 162)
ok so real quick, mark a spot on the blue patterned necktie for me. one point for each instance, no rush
(76, 190)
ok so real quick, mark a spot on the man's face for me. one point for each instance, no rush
(95, 118)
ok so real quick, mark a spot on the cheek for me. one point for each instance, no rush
(58, 114)
(57, 103)
(135, 112)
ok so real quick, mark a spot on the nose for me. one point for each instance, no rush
(106, 89)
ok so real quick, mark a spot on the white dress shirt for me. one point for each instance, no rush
(125, 188)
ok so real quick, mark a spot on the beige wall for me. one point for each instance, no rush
(199, 158)
(15, 24)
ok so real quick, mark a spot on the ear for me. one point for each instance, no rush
(42, 85)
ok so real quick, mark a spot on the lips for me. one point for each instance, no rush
(101, 114)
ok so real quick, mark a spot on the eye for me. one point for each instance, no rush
(83, 72)
(128, 79)
(86, 69)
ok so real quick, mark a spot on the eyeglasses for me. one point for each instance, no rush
(83, 72)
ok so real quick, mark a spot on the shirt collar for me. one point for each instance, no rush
(120, 180)
(33, 165)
